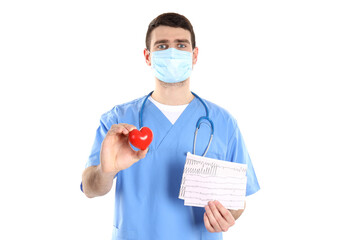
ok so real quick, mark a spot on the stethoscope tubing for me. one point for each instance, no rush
(198, 123)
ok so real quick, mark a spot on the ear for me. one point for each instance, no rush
(147, 57)
(195, 55)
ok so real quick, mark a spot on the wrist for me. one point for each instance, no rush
(104, 173)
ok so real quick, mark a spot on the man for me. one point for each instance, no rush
(146, 203)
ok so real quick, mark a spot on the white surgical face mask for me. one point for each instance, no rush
(171, 65)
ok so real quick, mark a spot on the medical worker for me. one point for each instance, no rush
(147, 206)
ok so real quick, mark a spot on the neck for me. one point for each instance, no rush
(173, 93)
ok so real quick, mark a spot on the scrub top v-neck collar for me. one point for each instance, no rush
(160, 124)
(172, 112)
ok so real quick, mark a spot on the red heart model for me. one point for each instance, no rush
(141, 139)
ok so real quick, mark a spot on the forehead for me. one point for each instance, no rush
(169, 33)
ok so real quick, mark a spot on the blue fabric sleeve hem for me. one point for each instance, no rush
(252, 191)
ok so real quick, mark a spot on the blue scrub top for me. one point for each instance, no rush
(147, 206)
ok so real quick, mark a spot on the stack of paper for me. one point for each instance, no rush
(206, 179)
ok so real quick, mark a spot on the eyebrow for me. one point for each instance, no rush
(176, 40)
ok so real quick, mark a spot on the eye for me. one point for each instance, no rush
(162, 46)
(181, 46)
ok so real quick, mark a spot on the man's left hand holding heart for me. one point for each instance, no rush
(217, 218)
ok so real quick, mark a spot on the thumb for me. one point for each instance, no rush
(142, 153)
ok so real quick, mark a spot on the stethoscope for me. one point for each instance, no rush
(198, 124)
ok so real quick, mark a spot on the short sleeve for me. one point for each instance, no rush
(106, 121)
(237, 152)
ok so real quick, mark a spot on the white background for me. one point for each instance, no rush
(287, 70)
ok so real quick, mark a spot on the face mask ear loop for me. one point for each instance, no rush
(149, 56)
(193, 57)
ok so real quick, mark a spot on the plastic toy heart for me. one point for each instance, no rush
(141, 139)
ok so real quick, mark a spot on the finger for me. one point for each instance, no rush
(118, 129)
(142, 153)
(224, 225)
(121, 128)
(207, 223)
(212, 219)
(225, 213)
(129, 127)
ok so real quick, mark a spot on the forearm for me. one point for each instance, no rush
(95, 182)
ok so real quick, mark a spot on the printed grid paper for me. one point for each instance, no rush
(206, 179)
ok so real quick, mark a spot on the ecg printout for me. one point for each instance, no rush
(206, 179)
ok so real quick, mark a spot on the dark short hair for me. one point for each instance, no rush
(170, 20)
